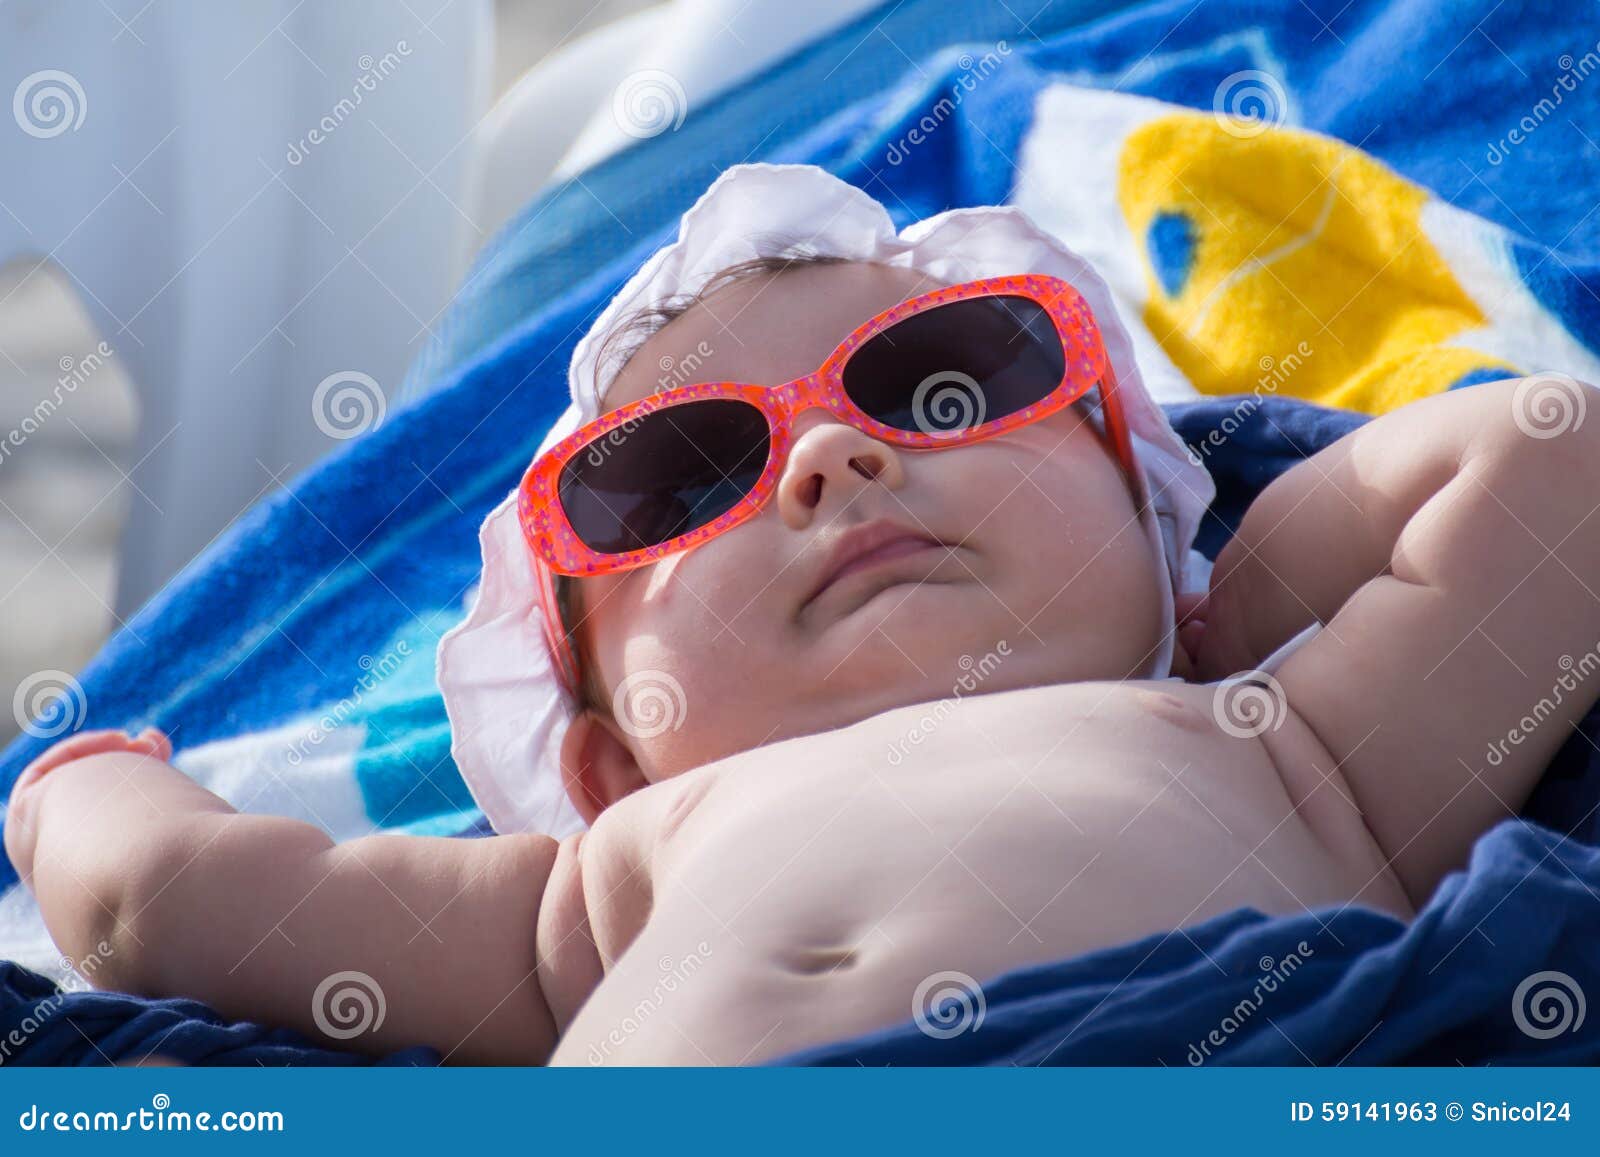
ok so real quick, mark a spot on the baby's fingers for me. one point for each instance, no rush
(1191, 605)
(157, 742)
(86, 743)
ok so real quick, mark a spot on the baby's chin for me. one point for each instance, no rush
(901, 644)
(897, 654)
(911, 643)
(905, 626)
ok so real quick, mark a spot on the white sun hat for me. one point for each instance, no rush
(508, 709)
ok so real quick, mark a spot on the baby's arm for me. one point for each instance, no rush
(252, 913)
(1456, 562)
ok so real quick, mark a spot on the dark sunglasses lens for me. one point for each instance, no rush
(665, 474)
(957, 366)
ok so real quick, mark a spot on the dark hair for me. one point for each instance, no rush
(638, 327)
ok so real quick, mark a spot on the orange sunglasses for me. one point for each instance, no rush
(675, 469)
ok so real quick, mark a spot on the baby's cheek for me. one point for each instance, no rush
(698, 703)
(1111, 597)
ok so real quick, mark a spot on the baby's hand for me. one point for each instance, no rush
(148, 742)
(1190, 611)
(19, 841)
(175, 893)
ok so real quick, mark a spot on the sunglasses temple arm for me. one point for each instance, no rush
(557, 642)
(1117, 426)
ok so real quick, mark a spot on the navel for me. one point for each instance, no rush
(820, 959)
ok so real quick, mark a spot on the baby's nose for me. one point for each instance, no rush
(831, 462)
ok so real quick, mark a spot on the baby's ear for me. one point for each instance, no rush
(597, 768)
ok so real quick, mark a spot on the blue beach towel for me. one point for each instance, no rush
(293, 661)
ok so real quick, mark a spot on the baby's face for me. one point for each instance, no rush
(1044, 566)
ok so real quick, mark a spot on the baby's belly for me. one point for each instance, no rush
(815, 886)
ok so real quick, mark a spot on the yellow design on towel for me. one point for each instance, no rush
(1284, 237)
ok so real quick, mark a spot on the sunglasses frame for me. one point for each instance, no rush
(557, 549)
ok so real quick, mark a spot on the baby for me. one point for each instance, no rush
(821, 829)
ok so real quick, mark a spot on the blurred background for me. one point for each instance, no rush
(225, 229)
